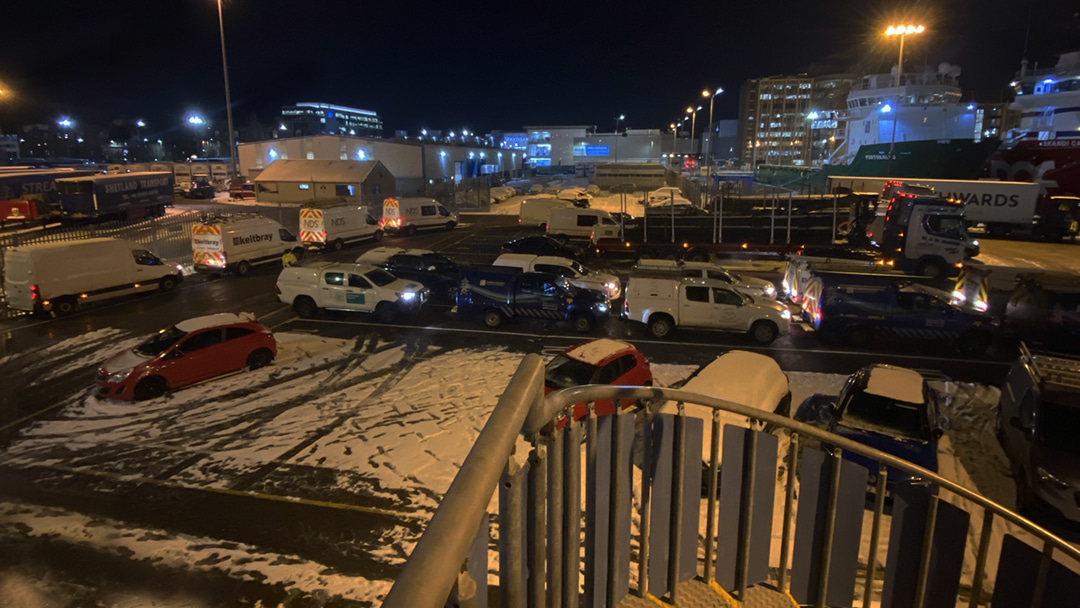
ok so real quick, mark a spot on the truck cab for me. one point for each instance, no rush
(926, 234)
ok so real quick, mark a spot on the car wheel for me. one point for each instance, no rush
(492, 318)
(243, 267)
(582, 323)
(764, 332)
(377, 236)
(410, 230)
(65, 306)
(450, 226)
(337, 245)
(661, 326)
(260, 357)
(385, 312)
(305, 307)
(974, 343)
(168, 283)
(932, 269)
(858, 336)
(150, 388)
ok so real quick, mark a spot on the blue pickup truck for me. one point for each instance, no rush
(858, 308)
(497, 293)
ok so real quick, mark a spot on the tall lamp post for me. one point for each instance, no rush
(692, 111)
(674, 141)
(712, 97)
(228, 97)
(618, 118)
(902, 31)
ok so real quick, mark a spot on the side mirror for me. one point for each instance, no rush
(817, 408)
(939, 433)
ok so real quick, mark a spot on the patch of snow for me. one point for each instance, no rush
(897, 383)
(595, 351)
(208, 321)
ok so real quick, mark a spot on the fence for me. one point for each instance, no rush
(939, 543)
(472, 194)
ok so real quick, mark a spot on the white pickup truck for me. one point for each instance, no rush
(663, 304)
(353, 287)
(572, 270)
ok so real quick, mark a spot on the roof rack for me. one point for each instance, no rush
(1053, 368)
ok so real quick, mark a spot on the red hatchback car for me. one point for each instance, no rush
(191, 351)
(600, 361)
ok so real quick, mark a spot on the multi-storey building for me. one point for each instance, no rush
(773, 126)
(311, 118)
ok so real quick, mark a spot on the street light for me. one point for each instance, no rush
(902, 31)
(693, 124)
(712, 97)
(617, 119)
(674, 142)
(228, 98)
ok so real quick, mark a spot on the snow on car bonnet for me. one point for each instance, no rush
(897, 383)
(743, 377)
(222, 318)
(595, 351)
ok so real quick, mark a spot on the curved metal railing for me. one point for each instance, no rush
(435, 564)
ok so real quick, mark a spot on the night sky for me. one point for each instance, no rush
(480, 65)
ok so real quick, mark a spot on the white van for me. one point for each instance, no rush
(58, 277)
(239, 242)
(407, 215)
(582, 223)
(536, 210)
(332, 226)
(573, 270)
(356, 287)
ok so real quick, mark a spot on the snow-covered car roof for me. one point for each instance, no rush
(899, 383)
(594, 352)
(743, 377)
(378, 255)
(221, 318)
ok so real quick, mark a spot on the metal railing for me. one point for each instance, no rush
(540, 532)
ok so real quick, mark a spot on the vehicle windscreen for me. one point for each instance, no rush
(868, 412)
(159, 342)
(380, 277)
(563, 372)
(1057, 426)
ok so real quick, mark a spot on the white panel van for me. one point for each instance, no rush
(58, 277)
(582, 223)
(333, 226)
(536, 210)
(407, 215)
(239, 242)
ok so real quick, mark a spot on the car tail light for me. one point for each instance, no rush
(35, 293)
(626, 308)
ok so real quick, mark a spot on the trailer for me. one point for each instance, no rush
(120, 196)
(30, 194)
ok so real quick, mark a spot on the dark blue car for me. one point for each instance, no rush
(884, 407)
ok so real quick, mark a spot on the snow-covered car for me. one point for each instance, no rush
(502, 193)
(751, 286)
(682, 207)
(739, 376)
(663, 195)
(576, 195)
(536, 189)
(600, 361)
(593, 190)
(542, 245)
(885, 407)
(190, 351)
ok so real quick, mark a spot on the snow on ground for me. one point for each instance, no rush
(403, 416)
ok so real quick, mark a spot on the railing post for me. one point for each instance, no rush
(555, 516)
(875, 532)
(825, 555)
(537, 517)
(746, 515)
(646, 507)
(675, 537)
(980, 558)
(590, 502)
(789, 503)
(927, 549)
(1039, 589)
(511, 533)
(710, 523)
(572, 507)
(616, 523)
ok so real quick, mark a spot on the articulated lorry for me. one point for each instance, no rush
(999, 208)
(124, 196)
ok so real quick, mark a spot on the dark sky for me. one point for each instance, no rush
(481, 65)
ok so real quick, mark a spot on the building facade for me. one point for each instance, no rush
(314, 118)
(554, 145)
(413, 163)
(773, 126)
(302, 181)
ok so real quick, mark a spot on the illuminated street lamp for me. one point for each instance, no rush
(618, 118)
(902, 31)
(228, 98)
(195, 120)
(693, 124)
(712, 97)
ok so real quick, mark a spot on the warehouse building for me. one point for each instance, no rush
(302, 181)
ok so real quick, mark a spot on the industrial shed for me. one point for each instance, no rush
(366, 182)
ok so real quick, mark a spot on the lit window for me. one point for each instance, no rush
(305, 186)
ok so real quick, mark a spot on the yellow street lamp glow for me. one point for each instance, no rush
(689, 110)
(904, 30)
(705, 93)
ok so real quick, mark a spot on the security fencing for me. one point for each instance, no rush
(786, 516)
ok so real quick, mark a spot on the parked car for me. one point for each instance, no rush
(542, 245)
(351, 287)
(502, 193)
(751, 286)
(1038, 414)
(600, 361)
(536, 189)
(885, 407)
(593, 190)
(190, 351)
(438, 273)
(682, 207)
(663, 195)
(200, 190)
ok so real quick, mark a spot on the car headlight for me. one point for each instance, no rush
(611, 286)
(601, 307)
(770, 290)
(119, 377)
(408, 296)
(785, 314)
(1050, 480)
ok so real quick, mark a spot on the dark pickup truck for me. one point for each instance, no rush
(497, 293)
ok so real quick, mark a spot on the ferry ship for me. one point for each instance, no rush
(1046, 147)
